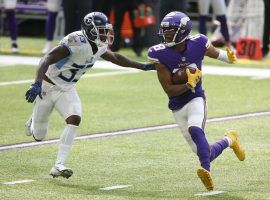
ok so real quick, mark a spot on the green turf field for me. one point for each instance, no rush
(157, 165)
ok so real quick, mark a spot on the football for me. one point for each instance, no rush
(180, 76)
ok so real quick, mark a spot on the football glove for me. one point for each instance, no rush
(193, 79)
(148, 66)
(231, 56)
(33, 91)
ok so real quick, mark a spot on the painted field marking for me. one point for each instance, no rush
(211, 193)
(85, 76)
(18, 182)
(255, 74)
(131, 131)
(115, 187)
(6, 65)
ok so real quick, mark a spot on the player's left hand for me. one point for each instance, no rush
(33, 91)
(231, 56)
(148, 66)
(193, 78)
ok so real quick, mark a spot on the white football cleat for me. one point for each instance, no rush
(14, 48)
(48, 46)
(27, 126)
(61, 170)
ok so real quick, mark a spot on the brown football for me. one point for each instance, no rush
(180, 76)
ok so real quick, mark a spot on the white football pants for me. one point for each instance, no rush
(9, 4)
(219, 7)
(54, 5)
(67, 103)
(194, 113)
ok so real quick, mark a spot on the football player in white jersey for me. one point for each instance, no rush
(58, 72)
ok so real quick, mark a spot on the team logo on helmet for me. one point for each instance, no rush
(88, 21)
(184, 20)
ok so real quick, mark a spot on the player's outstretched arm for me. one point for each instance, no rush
(227, 56)
(124, 61)
(54, 55)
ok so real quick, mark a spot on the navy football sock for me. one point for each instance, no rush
(223, 27)
(217, 148)
(50, 25)
(12, 24)
(202, 24)
(203, 150)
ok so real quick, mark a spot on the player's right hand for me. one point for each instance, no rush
(193, 78)
(33, 91)
(231, 56)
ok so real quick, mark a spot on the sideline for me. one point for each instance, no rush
(133, 131)
(255, 74)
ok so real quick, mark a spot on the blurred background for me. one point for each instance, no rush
(239, 24)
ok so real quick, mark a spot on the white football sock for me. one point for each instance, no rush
(229, 140)
(65, 143)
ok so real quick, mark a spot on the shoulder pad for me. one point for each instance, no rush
(201, 39)
(154, 52)
(74, 39)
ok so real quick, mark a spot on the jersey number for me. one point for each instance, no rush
(158, 47)
(73, 73)
(71, 78)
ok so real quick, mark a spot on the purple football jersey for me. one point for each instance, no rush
(196, 47)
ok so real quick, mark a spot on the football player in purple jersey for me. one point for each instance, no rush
(187, 101)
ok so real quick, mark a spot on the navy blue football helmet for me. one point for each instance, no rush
(175, 28)
(97, 28)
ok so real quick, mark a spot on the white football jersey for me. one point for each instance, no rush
(66, 72)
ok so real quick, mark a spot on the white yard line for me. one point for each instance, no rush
(85, 76)
(115, 187)
(5, 65)
(236, 71)
(132, 131)
(19, 60)
(18, 182)
(255, 74)
(25, 60)
(16, 82)
(211, 193)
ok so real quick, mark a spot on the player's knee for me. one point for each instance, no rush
(194, 129)
(36, 139)
(53, 7)
(74, 120)
(39, 135)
